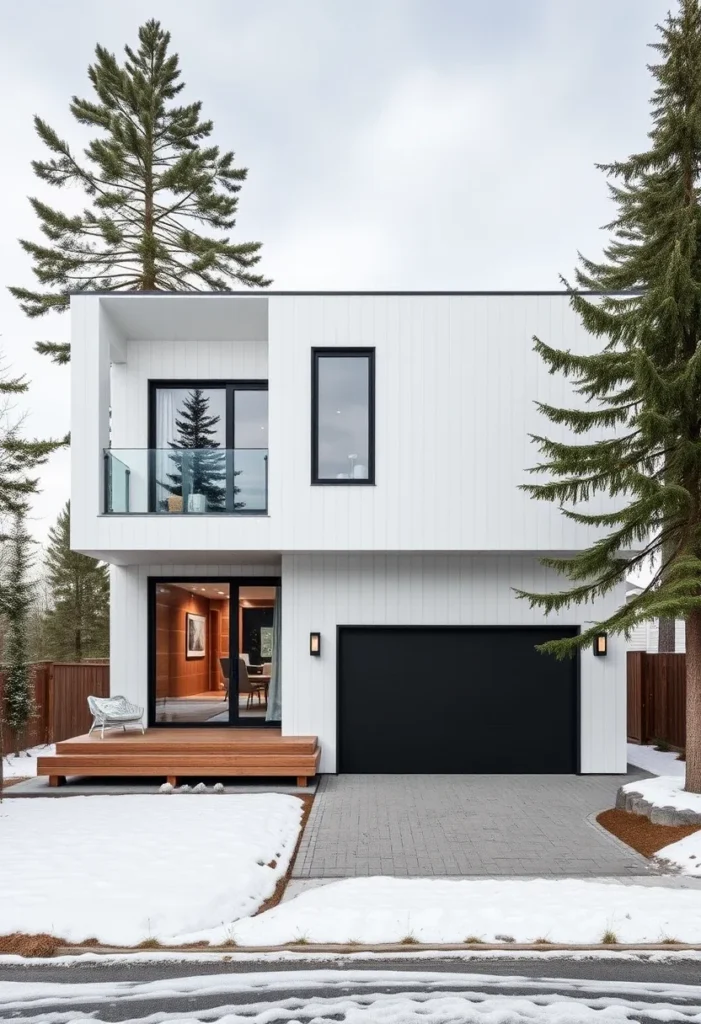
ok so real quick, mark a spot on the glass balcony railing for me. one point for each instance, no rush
(186, 481)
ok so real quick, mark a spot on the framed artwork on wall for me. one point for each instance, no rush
(195, 635)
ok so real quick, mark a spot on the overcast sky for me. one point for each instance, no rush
(391, 144)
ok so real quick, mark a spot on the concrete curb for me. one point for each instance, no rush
(389, 947)
(634, 802)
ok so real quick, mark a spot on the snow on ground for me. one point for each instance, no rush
(684, 855)
(666, 791)
(307, 955)
(659, 762)
(348, 997)
(24, 764)
(374, 910)
(123, 869)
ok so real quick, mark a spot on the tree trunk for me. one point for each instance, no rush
(666, 638)
(693, 702)
(667, 627)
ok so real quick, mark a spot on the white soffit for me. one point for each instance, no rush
(189, 317)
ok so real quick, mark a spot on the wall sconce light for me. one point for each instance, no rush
(315, 644)
(601, 645)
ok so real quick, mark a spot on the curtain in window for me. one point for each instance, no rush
(274, 712)
(166, 431)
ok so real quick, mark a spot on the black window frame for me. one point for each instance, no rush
(236, 720)
(229, 387)
(341, 353)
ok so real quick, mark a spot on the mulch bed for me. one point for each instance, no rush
(638, 831)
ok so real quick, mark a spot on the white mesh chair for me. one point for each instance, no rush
(108, 711)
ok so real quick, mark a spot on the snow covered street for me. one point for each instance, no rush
(348, 997)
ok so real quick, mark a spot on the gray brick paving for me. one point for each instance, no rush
(461, 825)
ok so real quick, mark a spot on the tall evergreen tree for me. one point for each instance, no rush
(77, 623)
(162, 199)
(644, 387)
(19, 456)
(200, 464)
(16, 593)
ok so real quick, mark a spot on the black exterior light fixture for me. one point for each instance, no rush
(601, 645)
(315, 644)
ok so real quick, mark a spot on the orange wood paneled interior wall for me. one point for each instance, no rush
(177, 675)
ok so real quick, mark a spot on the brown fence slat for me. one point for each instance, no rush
(635, 696)
(656, 688)
(72, 685)
(61, 694)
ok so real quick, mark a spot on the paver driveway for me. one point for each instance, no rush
(463, 825)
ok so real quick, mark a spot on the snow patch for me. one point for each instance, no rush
(24, 764)
(684, 855)
(659, 762)
(376, 910)
(123, 869)
(665, 791)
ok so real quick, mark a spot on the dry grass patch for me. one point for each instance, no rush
(40, 945)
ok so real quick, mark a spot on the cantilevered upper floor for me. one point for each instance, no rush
(262, 423)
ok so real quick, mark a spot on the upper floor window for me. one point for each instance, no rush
(210, 446)
(343, 416)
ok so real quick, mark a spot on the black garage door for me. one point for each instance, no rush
(429, 699)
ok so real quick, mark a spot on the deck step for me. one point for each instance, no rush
(191, 764)
(113, 744)
(192, 752)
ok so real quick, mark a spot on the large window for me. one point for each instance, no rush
(215, 651)
(209, 444)
(343, 416)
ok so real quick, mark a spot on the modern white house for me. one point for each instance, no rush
(310, 503)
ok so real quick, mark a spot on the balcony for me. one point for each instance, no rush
(186, 481)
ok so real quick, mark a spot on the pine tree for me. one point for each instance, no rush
(18, 458)
(151, 178)
(18, 455)
(644, 387)
(204, 469)
(15, 601)
(77, 624)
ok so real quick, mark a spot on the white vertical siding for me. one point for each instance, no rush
(324, 591)
(92, 336)
(129, 618)
(174, 360)
(456, 385)
(645, 637)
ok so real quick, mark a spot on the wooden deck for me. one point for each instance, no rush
(173, 753)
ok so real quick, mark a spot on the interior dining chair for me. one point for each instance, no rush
(224, 662)
(248, 686)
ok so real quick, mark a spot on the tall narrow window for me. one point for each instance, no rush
(343, 416)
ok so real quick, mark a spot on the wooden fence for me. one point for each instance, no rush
(61, 695)
(657, 698)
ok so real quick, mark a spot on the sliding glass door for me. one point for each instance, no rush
(208, 447)
(214, 647)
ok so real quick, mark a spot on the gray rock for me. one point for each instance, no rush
(635, 803)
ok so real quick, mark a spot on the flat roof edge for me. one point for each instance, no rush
(258, 293)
